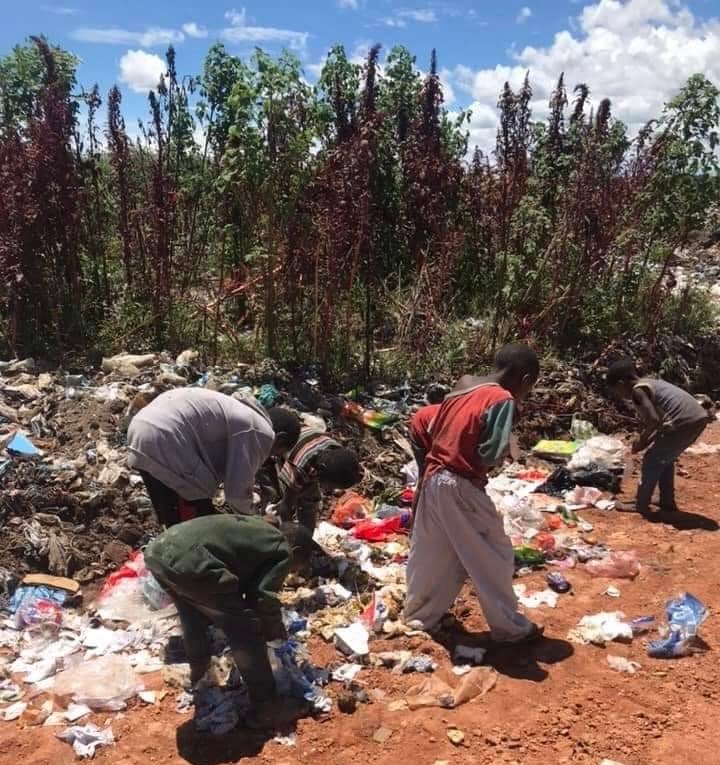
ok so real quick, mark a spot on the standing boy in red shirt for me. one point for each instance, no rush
(457, 530)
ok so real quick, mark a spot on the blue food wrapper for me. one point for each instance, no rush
(685, 614)
(28, 595)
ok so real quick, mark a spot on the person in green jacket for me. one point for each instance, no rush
(227, 570)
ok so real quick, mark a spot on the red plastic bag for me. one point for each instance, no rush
(133, 568)
(350, 508)
(373, 530)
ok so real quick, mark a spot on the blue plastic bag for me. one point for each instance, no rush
(685, 614)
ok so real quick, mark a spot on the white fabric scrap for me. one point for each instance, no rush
(601, 628)
(535, 599)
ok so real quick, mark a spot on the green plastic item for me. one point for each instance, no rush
(528, 556)
(556, 448)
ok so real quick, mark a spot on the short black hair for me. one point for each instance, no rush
(622, 370)
(339, 466)
(518, 360)
(436, 392)
(286, 422)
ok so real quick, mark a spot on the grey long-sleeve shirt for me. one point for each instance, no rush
(193, 440)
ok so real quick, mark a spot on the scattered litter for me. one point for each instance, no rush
(617, 565)
(103, 683)
(434, 692)
(421, 664)
(455, 736)
(346, 673)
(558, 583)
(599, 452)
(642, 624)
(612, 592)
(13, 711)
(21, 446)
(353, 640)
(85, 739)
(535, 599)
(621, 664)
(601, 628)
(473, 654)
(149, 697)
(461, 669)
(289, 740)
(685, 614)
(555, 449)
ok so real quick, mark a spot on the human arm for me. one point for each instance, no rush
(495, 439)
(247, 451)
(649, 419)
(264, 600)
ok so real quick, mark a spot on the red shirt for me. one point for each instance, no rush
(458, 430)
(420, 425)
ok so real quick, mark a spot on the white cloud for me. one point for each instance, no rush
(151, 37)
(192, 29)
(236, 18)
(240, 31)
(353, 5)
(141, 71)
(61, 10)
(637, 53)
(417, 15)
(524, 15)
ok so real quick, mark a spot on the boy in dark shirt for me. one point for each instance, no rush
(227, 570)
(672, 420)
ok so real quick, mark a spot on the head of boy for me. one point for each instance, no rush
(337, 469)
(621, 378)
(286, 425)
(302, 547)
(435, 393)
(517, 368)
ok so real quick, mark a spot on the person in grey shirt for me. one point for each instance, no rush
(189, 441)
(672, 420)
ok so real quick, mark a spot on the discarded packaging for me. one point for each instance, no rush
(601, 628)
(353, 640)
(434, 692)
(617, 565)
(601, 452)
(104, 683)
(621, 664)
(85, 739)
(685, 614)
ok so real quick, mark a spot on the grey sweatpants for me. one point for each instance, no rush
(459, 533)
(658, 467)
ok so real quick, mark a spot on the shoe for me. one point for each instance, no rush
(536, 633)
(274, 713)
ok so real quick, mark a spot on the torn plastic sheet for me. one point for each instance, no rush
(85, 739)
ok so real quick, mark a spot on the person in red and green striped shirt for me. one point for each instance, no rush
(317, 463)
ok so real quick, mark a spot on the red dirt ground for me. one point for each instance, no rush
(556, 703)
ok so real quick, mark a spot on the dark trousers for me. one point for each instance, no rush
(199, 605)
(658, 467)
(170, 507)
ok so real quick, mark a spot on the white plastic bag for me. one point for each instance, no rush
(605, 452)
(103, 684)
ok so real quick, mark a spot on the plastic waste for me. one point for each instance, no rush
(21, 446)
(368, 417)
(528, 556)
(29, 595)
(544, 541)
(602, 452)
(617, 565)
(558, 583)
(353, 640)
(601, 628)
(582, 430)
(535, 599)
(104, 683)
(599, 477)
(586, 496)
(378, 530)
(39, 615)
(434, 692)
(555, 449)
(85, 739)
(685, 614)
(346, 673)
(621, 664)
(642, 624)
(349, 508)
(153, 593)
(268, 395)
(14, 711)
(471, 654)
(421, 664)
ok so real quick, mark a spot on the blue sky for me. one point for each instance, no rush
(638, 52)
